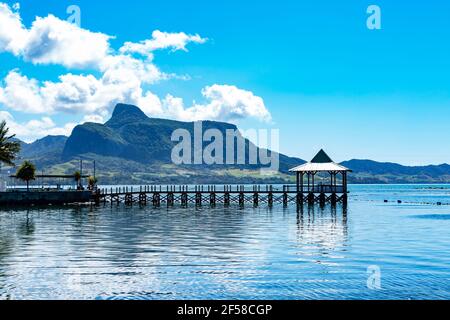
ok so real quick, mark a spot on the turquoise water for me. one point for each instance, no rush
(120, 252)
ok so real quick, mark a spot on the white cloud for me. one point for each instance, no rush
(71, 94)
(225, 103)
(96, 97)
(122, 77)
(162, 40)
(95, 118)
(35, 129)
(150, 104)
(124, 68)
(13, 35)
(54, 41)
(51, 41)
(22, 94)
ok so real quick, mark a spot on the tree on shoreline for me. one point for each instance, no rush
(92, 182)
(8, 148)
(77, 177)
(26, 172)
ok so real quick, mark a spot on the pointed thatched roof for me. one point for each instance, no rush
(321, 162)
(321, 157)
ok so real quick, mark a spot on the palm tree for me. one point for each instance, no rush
(8, 148)
(77, 176)
(92, 182)
(26, 172)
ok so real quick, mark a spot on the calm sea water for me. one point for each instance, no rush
(230, 253)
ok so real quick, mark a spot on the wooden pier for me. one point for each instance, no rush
(310, 188)
(212, 195)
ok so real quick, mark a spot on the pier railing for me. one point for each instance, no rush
(225, 194)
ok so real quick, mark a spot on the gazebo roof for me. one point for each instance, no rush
(321, 162)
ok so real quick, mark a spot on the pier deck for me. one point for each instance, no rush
(226, 195)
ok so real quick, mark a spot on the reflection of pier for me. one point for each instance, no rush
(326, 227)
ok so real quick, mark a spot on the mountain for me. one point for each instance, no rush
(131, 135)
(132, 148)
(49, 144)
(368, 171)
(45, 151)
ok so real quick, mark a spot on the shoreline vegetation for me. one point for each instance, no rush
(117, 171)
(133, 149)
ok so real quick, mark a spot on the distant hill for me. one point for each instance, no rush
(49, 144)
(131, 135)
(133, 148)
(368, 171)
(45, 152)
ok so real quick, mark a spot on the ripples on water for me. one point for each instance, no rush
(230, 253)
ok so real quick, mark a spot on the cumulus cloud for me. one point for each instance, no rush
(120, 76)
(51, 41)
(54, 41)
(224, 103)
(35, 129)
(94, 98)
(22, 94)
(76, 94)
(162, 40)
(13, 35)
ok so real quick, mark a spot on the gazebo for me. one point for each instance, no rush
(332, 192)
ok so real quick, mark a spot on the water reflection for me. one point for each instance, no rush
(111, 252)
(26, 228)
(322, 231)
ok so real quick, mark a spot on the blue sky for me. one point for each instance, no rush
(327, 81)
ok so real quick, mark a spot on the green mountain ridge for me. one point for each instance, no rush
(132, 148)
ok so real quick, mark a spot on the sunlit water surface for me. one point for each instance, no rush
(121, 252)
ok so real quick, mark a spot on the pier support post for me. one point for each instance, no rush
(184, 199)
(156, 199)
(142, 198)
(256, 199)
(322, 198)
(226, 199)
(170, 199)
(285, 199)
(212, 199)
(311, 198)
(333, 198)
(300, 198)
(241, 199)
(198, 198)
(344, 199)
(129, 199)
